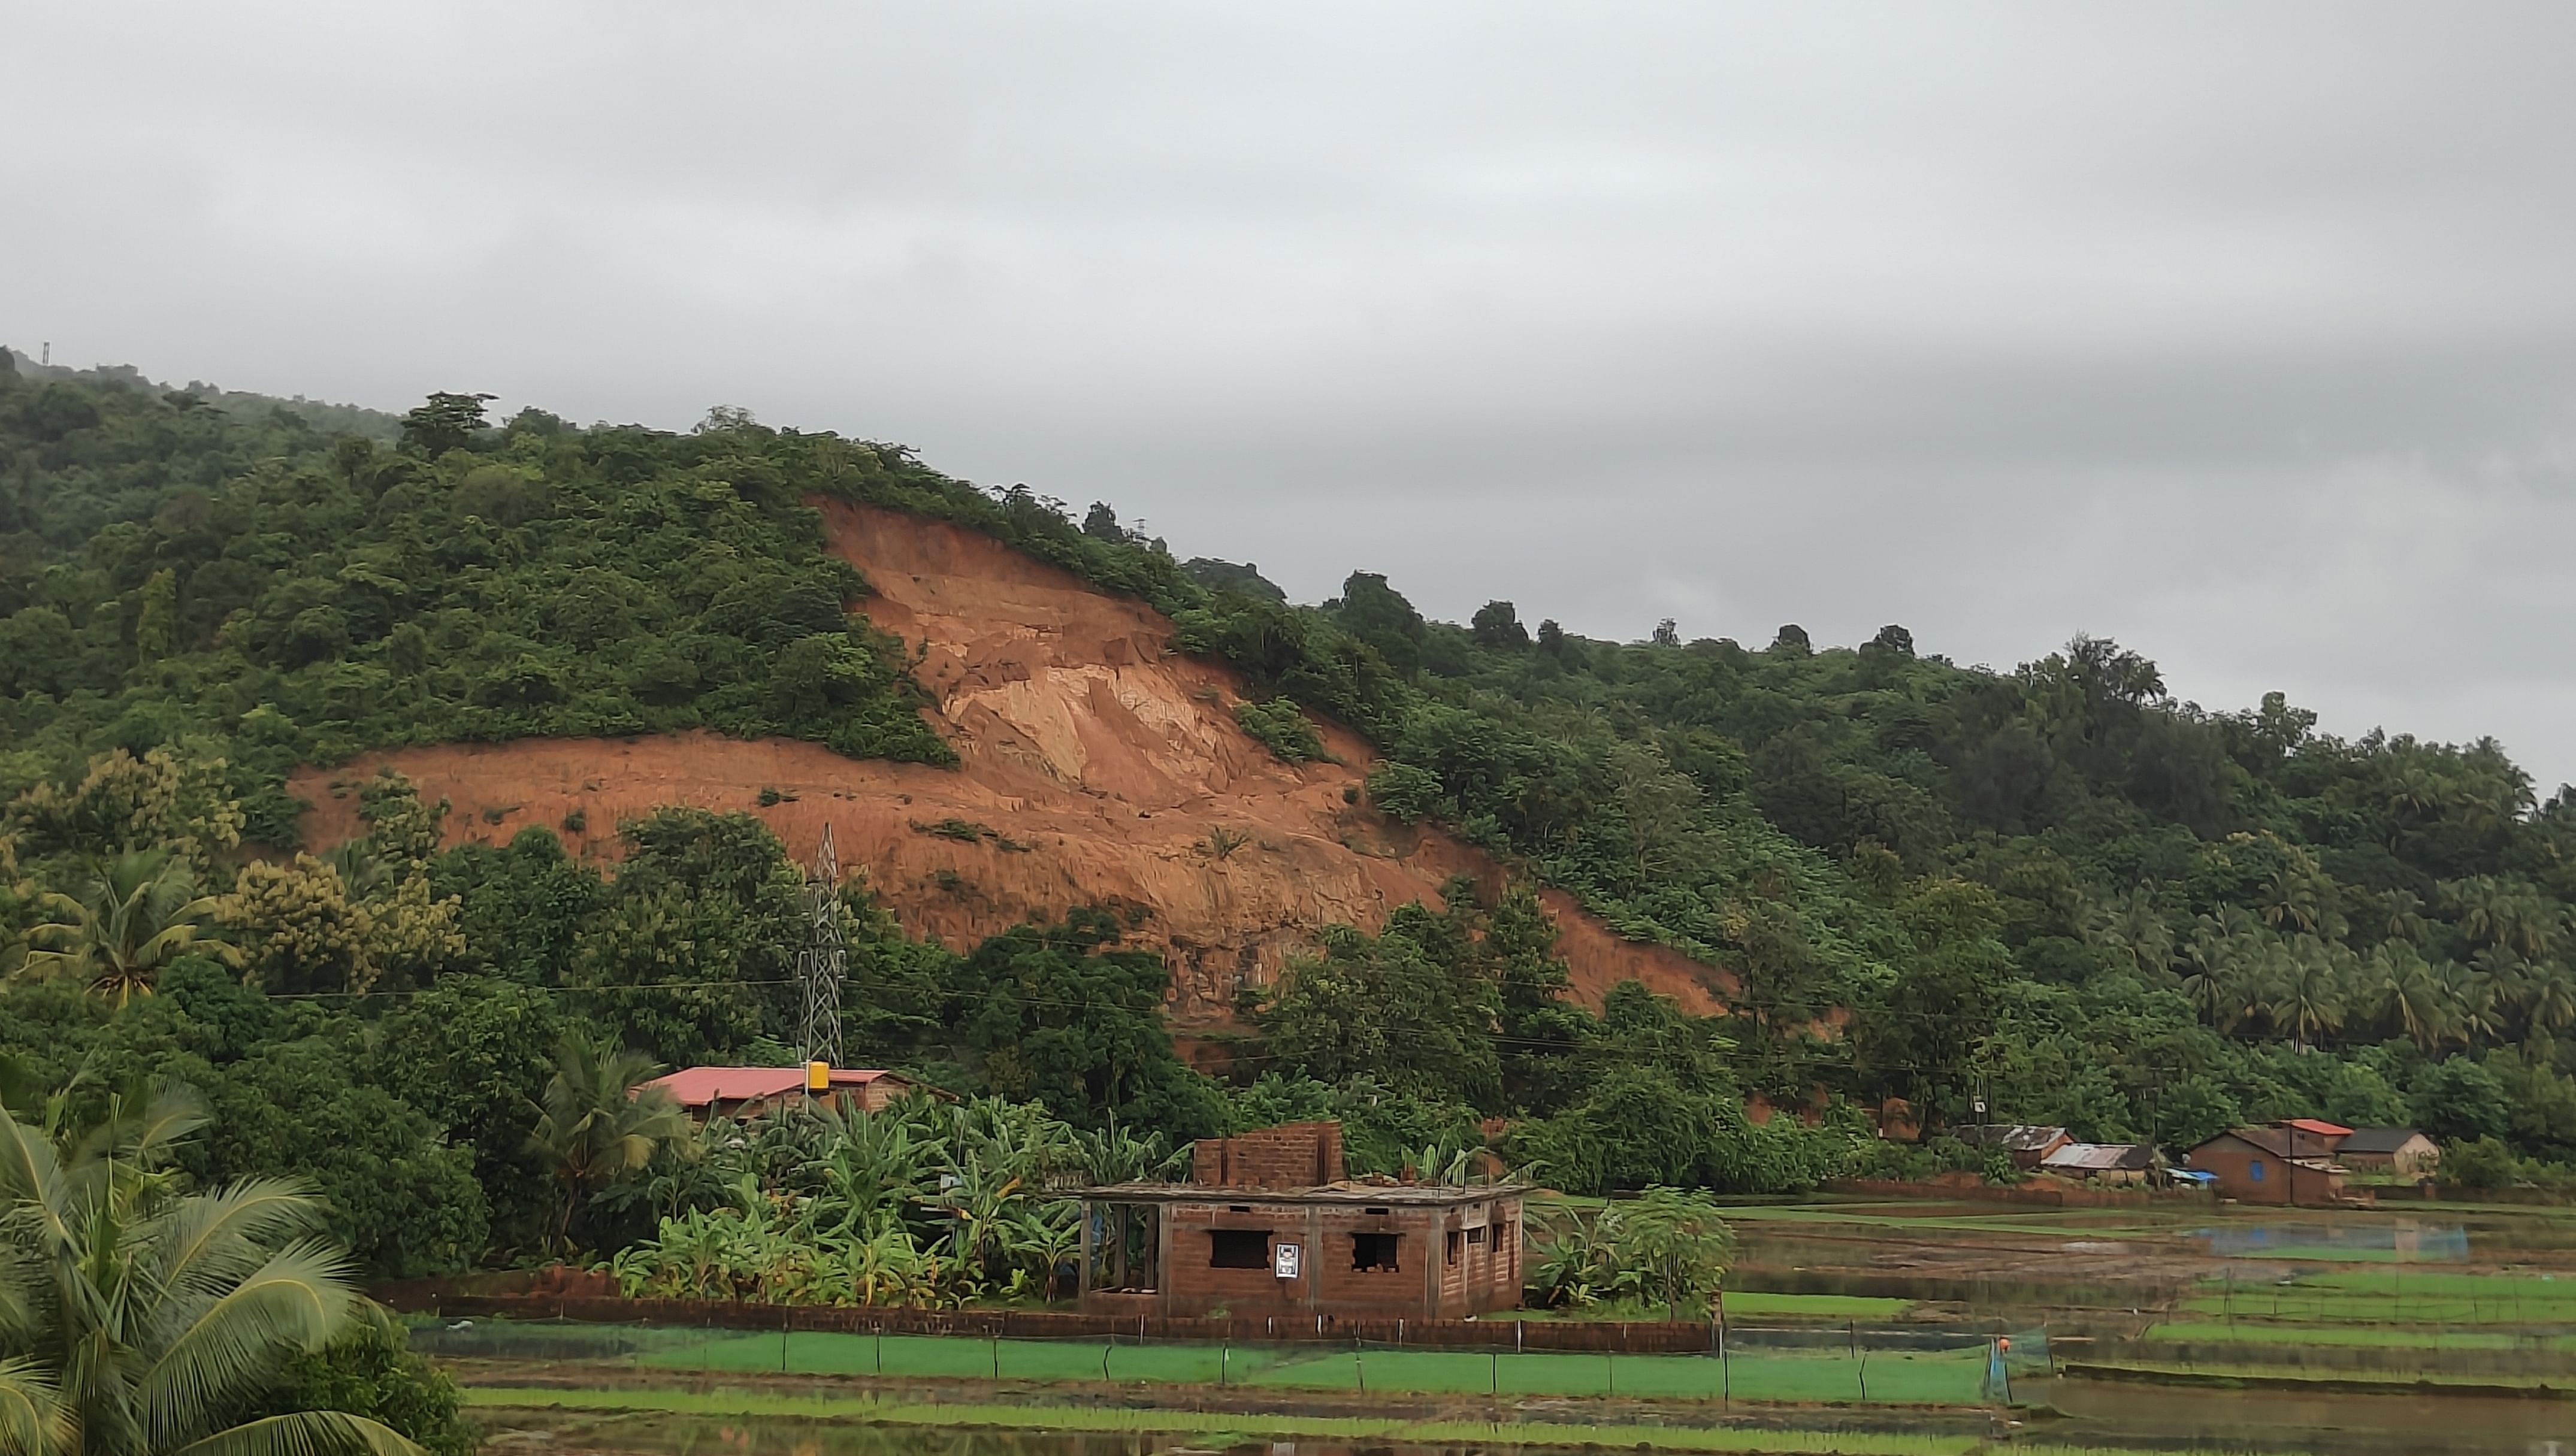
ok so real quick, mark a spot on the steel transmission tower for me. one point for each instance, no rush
(820, 965)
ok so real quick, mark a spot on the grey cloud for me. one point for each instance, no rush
(2244, 334)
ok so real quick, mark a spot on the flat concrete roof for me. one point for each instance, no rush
(1418, 1195)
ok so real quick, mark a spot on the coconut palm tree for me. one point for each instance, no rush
(2213, 974)
(2292, 902)
(595, 1127)
(2409, 993)
(135, 915)
(2549, 999)
(2479, 994)
(134, 1318)
(2308, 997)
(2135, 929)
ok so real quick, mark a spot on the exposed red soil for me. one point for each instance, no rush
(1108, 770)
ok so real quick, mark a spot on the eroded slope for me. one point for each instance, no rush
(1095, 768)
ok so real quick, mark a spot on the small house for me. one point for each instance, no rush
(2314, 1137)
(1271, 1228)
(2117, 1164)
(2263, 1165)
(743, 1093)
(2399, 1150)
(2026, 1144)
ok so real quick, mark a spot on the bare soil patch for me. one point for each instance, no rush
(1096, 767)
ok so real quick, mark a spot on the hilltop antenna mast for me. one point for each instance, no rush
(819, 966)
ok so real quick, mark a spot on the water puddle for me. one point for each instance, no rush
(2403, 1241)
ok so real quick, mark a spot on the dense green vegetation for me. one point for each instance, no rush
(2054, 889)
(139, 1317)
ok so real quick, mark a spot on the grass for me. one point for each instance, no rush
(2396, 1382)
(2262, 1332)
(1813, 1306)
(2372, 1296)
(1739, 1307)
(869, 1410)
(1950, 1377)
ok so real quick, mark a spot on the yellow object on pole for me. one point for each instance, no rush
(818, 1077)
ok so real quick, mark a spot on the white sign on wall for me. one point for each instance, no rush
(1283, 1261)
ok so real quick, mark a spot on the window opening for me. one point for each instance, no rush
(2254, 1169)
(1373, 1251)
(1476, 1235)
(1453, 1246)
(1238, 1248)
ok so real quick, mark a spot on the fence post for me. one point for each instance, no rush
(1725, 1373)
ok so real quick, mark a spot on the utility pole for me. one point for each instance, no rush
(820, 965)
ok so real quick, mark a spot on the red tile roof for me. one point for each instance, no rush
(2320, 1128)
(700, 1086)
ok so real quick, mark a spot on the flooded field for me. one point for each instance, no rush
(2092, 1417)
(2118, 1414)
(2381, 1332)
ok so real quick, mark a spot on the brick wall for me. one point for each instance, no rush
(2234, 1161)
(1424, 1282)
(1292, 1155)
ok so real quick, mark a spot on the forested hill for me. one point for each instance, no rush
(2055, 889)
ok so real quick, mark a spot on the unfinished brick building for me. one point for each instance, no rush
(1270, 1227)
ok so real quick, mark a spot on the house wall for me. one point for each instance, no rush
(2312, 1188)
(2414, 1158)
(870, 1096)
(1291, 1155)
(1426, 1282)
(2027, 1159)
(2306, 1144)
(2099, 1177)
(2233, 1162)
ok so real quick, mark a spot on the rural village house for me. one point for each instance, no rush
(1270, 1227)
(2116, 1164)
(2287, 1163)
(2399, 1150)
(746, 1092)
(2026, 1144)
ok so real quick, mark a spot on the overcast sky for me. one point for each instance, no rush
(2244, 334)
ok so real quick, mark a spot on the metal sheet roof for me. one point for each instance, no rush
(2013, 1137)
(700, 1086)
(2099, 1157)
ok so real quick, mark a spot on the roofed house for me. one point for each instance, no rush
(2027, 1144)
(2399, 1150)
(2113, 1163)
(2314, 1137)
(746, 1092)
(2270, 1165)
(1272, 1228)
